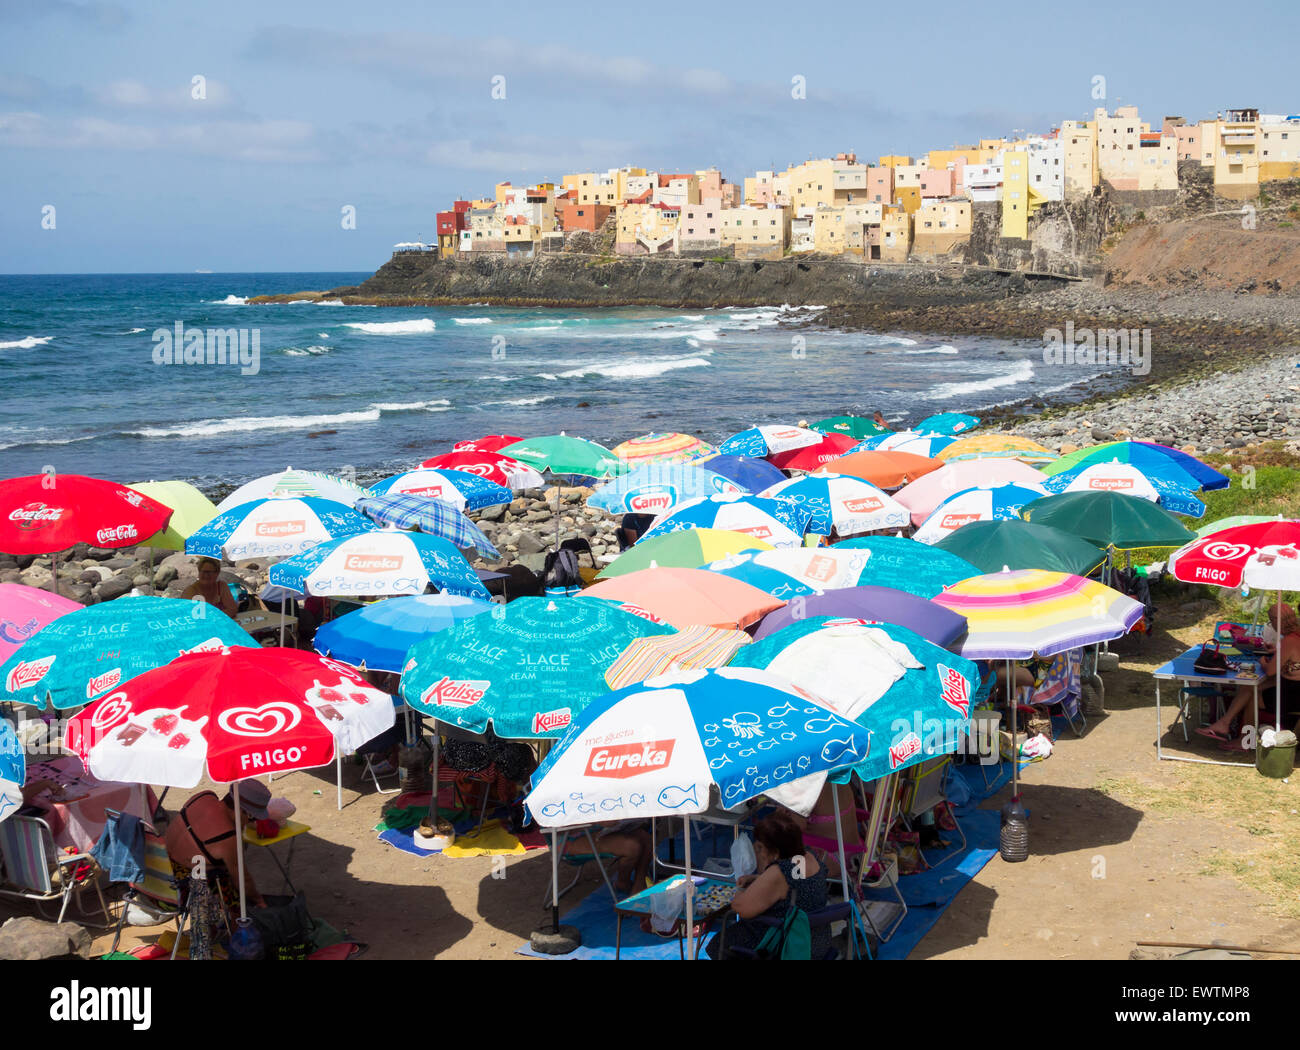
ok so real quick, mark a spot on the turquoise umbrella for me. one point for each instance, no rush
(89, 652)
(909, 566)
(13, 771)
(527, 668)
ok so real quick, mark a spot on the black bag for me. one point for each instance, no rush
(1210, 661)
(287, 930)
(562, 569)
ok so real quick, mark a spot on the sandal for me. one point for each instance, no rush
(1214, 734)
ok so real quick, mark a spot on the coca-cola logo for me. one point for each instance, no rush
(451, 693)
(1218, 550)
(35, 515)
(1110, 484)
(280, 528)
(264, 721)
(956, 521)
(622, 761)
(545, 721)
(863, 504)
(115, 534)
(373, 562)
(26, 673)
(908, 747)
(955, 690)
(101, 683)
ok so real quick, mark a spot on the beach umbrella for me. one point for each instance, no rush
(658, 487)
(1166, 488)
(776, 583)
(493, 466)
(13, 771)
(948, 423)
(927, 618)
(462, 490)
(918, 444)
(1234, 521)
(750, 473)
(856, 427)
(662, 448)
(1276, 567)
(888, 470)
(229, 715)
(1109, 519)
(819, 568)
(378, 636)
(921, 497)
(87, 652)
(1142, 454)
(989, 545)
(841, 503)
(48, 513)
(191, 510)
(681, 550)
(525, 669)
(435, 517)
(758, 442)
(275, 527)
(26, 610)
(685, 650)
(775, 521)
(561, 454)
(812, 457)
(994, 503)
(296, 483)
(487, 443)
(662, 748)
(906, 565)
(996, 446)
(384, 562)
(684, 597)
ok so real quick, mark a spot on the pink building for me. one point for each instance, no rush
(880, 185)
(936, 183)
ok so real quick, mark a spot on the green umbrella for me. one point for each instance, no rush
(1109, 519)
(191, 510)
(856, 427)
(1233, 522)
(687, 549)
(993, 545)
(561, 454)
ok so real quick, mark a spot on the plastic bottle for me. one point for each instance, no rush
(246, 942)
(1013, 842)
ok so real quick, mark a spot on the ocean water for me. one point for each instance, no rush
(377, 389)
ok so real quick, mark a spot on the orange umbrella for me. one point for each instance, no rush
(685, 597)
(886, 470)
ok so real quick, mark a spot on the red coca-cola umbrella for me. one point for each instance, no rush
(48, 513)
(810, 457)
(231, 714)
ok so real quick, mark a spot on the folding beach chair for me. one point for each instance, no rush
(924, 787)
(156, 890)
(579, 862)
(34, 869)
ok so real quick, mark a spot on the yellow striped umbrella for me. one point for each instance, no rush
(662, 448)
(693, 647)
(996, 446)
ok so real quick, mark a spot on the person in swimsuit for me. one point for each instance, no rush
(205, 827)
(1243, 704)
(210, 587)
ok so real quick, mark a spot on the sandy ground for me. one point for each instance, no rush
(1101, 805)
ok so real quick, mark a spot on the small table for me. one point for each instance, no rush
(1182, 669)
(77, 820)
(712, 899)
(262, 621)
(291, 830)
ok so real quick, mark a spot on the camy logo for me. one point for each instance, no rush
(373, 562)
(280, 528)
(545, 721)
(908, 747)
(956, 521)
(1110, 484)
(650, 502)
(35, 515)
(863, 505)
(955, 690)
(27, 673)
(103, 682)
(116, 533)
(622, 761)
(455, 694)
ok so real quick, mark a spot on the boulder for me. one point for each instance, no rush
(528, 543)
(533, 562)
(113, 588)
(26, 938)
(78, 592)
(35, 576)
(492, 513)
(164, 574)
(121, 562)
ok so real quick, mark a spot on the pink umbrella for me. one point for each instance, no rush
(24, 611)
(922, 496)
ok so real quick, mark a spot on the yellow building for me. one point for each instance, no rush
(1119, 141)
(1016, 195)
(894, 160)
(1158, 164)
(1236, 158)
(941, 225)
(891, 240)
(1079, 143)
(812, 184)
(1279, 149)
(645, 229)
(908, 197)
(756, 232)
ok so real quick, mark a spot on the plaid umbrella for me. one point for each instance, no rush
(434, 516)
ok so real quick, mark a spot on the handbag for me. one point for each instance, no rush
(288, 930)
(1210, 661)
(792, 939)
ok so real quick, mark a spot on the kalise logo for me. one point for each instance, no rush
(116, 534)
(545, 721)
(956, 690)
(212, 645)
(863, 505)
(956, 521)
(1110, 484)
(373, 562)
(27, 673)
(906, 748)
(280, 528)
(455, 694)
(621, 761)
(101, 683)
(35, 515)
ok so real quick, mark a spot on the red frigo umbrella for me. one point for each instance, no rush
(486, 443)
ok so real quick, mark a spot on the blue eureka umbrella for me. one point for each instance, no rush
(948, 423)
(657, 487)
(1142, 454)
(380, 635)
(13, 771)
(1166, 480)
(386, 562)
(460, 488)
(906, 565)
(775, 582)
(749, 472)
(89, 652)
(432, 516)
(275, 527)
(767, 440)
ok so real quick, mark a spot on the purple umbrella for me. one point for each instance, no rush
(933, 622)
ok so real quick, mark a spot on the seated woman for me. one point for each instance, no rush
(205, 827)
(210, 587)
(819, 830)
(1287, 626)
(783, 865)
(629, 844)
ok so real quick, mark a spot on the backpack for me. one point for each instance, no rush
(792, 939)
(561, 569)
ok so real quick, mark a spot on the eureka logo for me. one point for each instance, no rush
(621, 761)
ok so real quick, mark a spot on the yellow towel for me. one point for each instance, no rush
(490, 840)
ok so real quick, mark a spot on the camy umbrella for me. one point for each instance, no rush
(688, 549)
(1000, 503)
(493, 466)
(990, 545)
(886, 470)
(948, 423)
(906, 565)
(191, 510)
(275, 528)
(1109, 519)
(1142, 454)
(24, 611)
(487, 443)
(662, 448)
(996, 446)
(296, 483)
(1172, 487)
(750, 473)
(426, 514)
(659, 487)
(462, 490)
(88, 652)
(378, 636)
(229, 715)
(48, 513)
(856, 427)
(385, 563)
(13, 771)
(684, 597)
(841, 504)
(921, 497)
(811, 457)
(669, 746)
(779, 522)
(758, 442)
(927, 618)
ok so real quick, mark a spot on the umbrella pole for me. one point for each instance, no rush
(839, 838)
(433, 802)
(555, 882)
(1277, 667)
(1015, 751)
(690, 892)
(282, 621)
(54, 569)
(338, 769)
(239, 853)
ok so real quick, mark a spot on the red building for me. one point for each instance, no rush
(589, 217)
(450, 223)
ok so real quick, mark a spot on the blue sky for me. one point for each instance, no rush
(388, 107)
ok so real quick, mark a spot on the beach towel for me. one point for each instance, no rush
(1061, 683)
(120, 849)
(488, 841)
